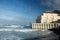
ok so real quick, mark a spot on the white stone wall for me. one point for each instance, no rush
(49, 17)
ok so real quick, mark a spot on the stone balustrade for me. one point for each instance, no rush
(45, 26)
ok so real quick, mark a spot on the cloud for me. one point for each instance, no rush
(54, 4)
(11, 17)
(15, 20)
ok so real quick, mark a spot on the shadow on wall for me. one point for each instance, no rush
(58, 21)
(38, 20)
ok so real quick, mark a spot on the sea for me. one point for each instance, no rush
(18, 33)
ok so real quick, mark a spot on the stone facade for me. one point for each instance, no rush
(49, 17)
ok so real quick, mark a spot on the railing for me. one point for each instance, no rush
(43, 26)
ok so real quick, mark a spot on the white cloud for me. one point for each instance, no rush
(13, 19)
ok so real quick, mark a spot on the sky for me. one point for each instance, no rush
(25, 12)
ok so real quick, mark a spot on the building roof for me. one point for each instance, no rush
(55, 11)
(48, 11)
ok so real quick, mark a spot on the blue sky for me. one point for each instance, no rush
(24, 11)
